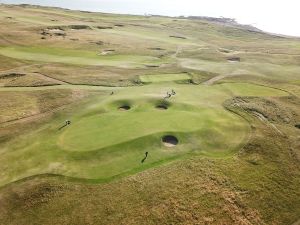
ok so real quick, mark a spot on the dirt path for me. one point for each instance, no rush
(214, 79)
(266, 121)
(48, 78)
(178, 50)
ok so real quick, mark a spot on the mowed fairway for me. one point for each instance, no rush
(77, 57)
(104, 141)
(164, 77)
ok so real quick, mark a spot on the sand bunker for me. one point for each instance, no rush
(169, 141)
(124, 108)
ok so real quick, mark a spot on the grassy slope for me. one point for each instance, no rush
(197, 119)
(258, 184)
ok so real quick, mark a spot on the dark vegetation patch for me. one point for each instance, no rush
(97, 42)
(61, 28)
(223, 50)
(170, 140)
(161, 56)
(58, 34)
(104, 27)
(152, 66)
(179, 37)
(79, 27)
(162, 105)
(124, 108)
(157, 49)
(53, 31)
(234, 59)
(297, 125)
(11, 75)
(119, 25)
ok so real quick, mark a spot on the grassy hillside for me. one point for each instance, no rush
(121, 119)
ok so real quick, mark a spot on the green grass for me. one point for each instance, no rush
(77, 57)
(103, 142)
(164, 77)
(228, 168)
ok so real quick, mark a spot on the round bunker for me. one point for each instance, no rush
(169, 141)
(124, 108)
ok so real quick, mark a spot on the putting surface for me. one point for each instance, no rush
(95, 132)
(104, 142)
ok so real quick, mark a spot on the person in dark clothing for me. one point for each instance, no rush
(146, 155)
